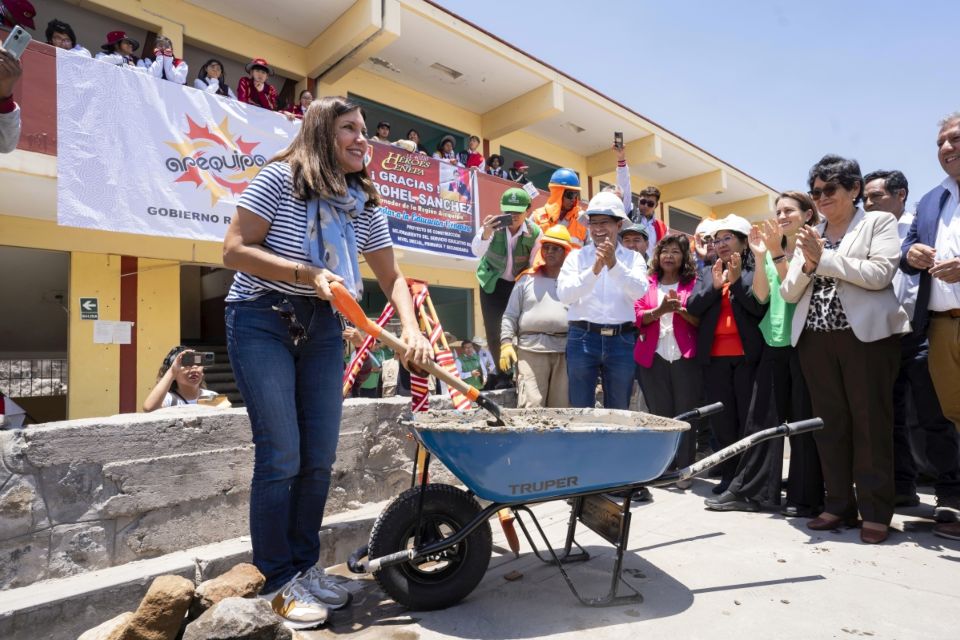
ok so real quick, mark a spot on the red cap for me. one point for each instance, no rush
(14, 12)
(259, 62)
(115, 37)
(520, 164)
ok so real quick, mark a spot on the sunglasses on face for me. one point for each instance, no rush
(643, 202)
(828, 190)
(571, 195)
(297, 333)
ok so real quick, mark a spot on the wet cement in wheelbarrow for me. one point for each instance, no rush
(541, 420)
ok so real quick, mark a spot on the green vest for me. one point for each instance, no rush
(494, 261)
(468, 364)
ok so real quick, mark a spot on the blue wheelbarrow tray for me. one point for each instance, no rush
(549, 453)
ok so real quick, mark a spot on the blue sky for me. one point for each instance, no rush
(768, 86)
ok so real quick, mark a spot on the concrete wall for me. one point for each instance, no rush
(94, 493)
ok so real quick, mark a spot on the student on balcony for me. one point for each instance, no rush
(254, 89)
(119, 49)
(213, 79)
(472, 158)
(164, 65)
(61, 35)
(445, 150)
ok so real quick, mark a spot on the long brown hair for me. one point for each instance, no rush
(806, 205)
(312, 154)
(688, 268)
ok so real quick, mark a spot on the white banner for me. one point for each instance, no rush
(141, 155)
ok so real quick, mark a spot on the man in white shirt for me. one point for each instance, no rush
(932, 249)
(888, 191)
(600, 282)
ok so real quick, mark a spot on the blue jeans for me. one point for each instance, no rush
(294, 399)
(591, 355)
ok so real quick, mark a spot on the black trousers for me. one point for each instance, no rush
(940, 450)
(669, 389)
(780, 395)
(729, 379)
(492, 306)
(850, 383)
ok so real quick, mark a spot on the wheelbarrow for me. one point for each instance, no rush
(432, 544)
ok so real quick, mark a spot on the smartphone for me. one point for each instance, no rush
(16, 43)
(197, 359)
(503, 221)
(618, 139)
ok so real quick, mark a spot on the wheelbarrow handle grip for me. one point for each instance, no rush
(804, 426)
(700, 412)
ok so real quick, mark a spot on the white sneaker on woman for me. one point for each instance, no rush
(324, 588)
(298, 608)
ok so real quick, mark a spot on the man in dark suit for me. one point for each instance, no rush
(932, 249)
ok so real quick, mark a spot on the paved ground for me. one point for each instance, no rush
(702, 575)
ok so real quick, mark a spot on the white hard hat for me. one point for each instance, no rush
(706, 227)
(606, 203)
(732, 222)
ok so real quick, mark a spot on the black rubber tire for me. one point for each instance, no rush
(430, 584)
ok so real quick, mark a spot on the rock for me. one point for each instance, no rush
(161, 612)
(242, 581)
(23, 559)
(21, 508)
(238, 619)
(108, 630)
(75, 548)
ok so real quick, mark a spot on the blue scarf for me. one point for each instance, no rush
(330, 226)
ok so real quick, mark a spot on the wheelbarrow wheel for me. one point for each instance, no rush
(441, 580)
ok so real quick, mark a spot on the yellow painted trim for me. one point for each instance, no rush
(43, 234)
(158, 319)
(711, 182)
(93, 387)
(646, 150)
(752, 209)
(361, 32)
(539, 104)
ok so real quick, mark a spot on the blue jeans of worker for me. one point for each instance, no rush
(609, 358)
(294, 399)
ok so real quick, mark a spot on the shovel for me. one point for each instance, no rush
(345, 303)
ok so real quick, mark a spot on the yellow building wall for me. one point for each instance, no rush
(539, 148)
(93, 381)
(397, 96)
(158, 319)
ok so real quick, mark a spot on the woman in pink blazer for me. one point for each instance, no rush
(668, 372)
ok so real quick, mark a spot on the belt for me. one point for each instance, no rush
(605, 329)
(952, 313)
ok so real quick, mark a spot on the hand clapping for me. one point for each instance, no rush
(811, 245)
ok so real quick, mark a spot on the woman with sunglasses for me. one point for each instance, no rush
(301, 225)
(780, 393)
(729, 342)
(846, 328)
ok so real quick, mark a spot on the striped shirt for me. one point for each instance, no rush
(270, 196)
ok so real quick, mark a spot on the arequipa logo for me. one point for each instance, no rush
(212, 158)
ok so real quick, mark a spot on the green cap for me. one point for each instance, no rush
(514, 200)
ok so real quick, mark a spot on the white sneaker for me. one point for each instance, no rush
(324, 588)
(298, 608)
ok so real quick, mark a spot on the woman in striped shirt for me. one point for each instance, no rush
(300, 226)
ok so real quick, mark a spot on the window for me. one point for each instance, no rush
(682, 221)
(540, 171)
(401, 122)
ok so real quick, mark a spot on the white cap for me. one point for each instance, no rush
(732, 222)
(606, 203)
(706, 227)
(477, 340)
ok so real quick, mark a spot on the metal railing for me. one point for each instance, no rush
(37, 377)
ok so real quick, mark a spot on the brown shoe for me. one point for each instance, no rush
(827, 522)
(949, 530)
(873, 536)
